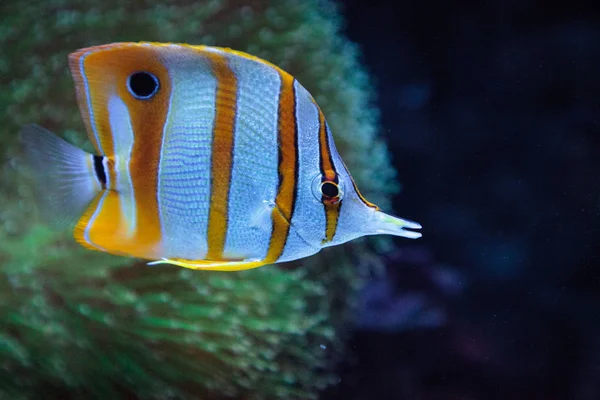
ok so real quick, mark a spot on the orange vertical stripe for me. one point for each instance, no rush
(288, 168)
(222, 154)
(332, 215)
(148, 122)
(328, 172)
(107, 69)
(325, 158)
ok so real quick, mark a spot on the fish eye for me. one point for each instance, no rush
(142, 85)
(327, 190)
(330, 190)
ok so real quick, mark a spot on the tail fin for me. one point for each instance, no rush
(65, 177)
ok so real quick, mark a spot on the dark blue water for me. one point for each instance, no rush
(492, 113)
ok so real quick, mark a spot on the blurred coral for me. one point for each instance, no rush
(79, 323)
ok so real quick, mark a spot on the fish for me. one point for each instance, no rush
(206, 158)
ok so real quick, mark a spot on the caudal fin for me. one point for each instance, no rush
(65, 177)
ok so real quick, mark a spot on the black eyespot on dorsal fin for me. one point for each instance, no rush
(142, 85)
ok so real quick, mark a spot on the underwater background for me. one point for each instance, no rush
(479, 120)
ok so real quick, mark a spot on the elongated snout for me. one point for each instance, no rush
(388, 224)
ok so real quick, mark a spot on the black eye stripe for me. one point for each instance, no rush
(142, 85)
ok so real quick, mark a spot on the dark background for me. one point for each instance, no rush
(491, 112)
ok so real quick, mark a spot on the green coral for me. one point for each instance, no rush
(76, 322)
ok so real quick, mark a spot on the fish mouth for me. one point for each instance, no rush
(391, 225)
(408, 224)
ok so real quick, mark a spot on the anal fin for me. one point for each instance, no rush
(212, 265)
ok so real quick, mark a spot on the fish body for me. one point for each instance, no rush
(206, 158)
